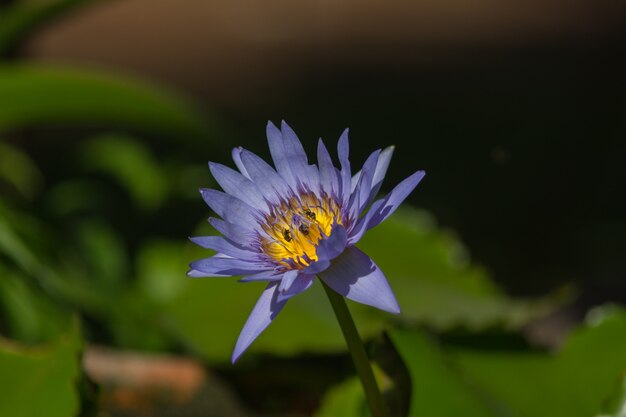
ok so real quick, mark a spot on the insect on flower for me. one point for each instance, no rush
(290, 224)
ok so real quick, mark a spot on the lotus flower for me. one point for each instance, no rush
(289, 225)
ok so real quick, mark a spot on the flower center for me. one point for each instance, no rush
(295, 226)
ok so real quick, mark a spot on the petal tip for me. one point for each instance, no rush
(394, 309)
(235, 357)
(193, 273)
(271, 128)
(390, 304)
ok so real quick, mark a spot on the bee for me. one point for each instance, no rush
(309, 214)
(304, 229)
(287, 235)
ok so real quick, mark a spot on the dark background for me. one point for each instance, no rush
(517, 112)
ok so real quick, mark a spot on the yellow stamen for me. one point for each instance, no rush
(296, 226)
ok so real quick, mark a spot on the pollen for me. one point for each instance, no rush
(295, 226)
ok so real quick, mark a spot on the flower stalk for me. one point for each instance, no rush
(357, 351)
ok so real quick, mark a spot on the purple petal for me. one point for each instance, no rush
(236, 153)
(219, 266)
(329, 178)
(288, 278)
(343, 150)
(360, 227)
(360, 196)
(302, 172)
(270, 275)
(294, 151)
(354, 181)
(265, 310)
(279, 154)
(355, 276)
(332, 246)
(221, 245)
(379, 174)
(393, 200)
(327, 250)
(312, 180)
(302, 283)
(230, 208)
(194, 273)
(233, 232)
(381, 170)
(264, 176)
(235, 184)
(317, 267)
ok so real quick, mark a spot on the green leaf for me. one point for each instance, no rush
(578, 381)
(436, 389)
(430, 272)
(104, 254)
(344, 400)
(33, 96)
(131, 163)
(19, 170)
(616, 406)
(74, 196)
(40, 381)
(575, 382)
(28, 314)
(159, 270)
(13, 246)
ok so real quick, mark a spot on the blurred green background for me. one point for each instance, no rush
(508, 260)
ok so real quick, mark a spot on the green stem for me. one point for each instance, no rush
(357, 350)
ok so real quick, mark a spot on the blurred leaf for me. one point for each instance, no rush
(616, 407)
(28, 314)
(103, 252)
(190, 179)
(74, 196)
(12, 245)
(131, 164)
(32, 96)
(344, 400)
(40, 381)
(159, 271)
(430, 273)
(58, 270)
(576, 382)
(436, 389)
(137, 323)
(19, 170)
(595, 353)
(452, 381)
(20, 20)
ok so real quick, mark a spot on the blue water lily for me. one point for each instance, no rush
(290, 224)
